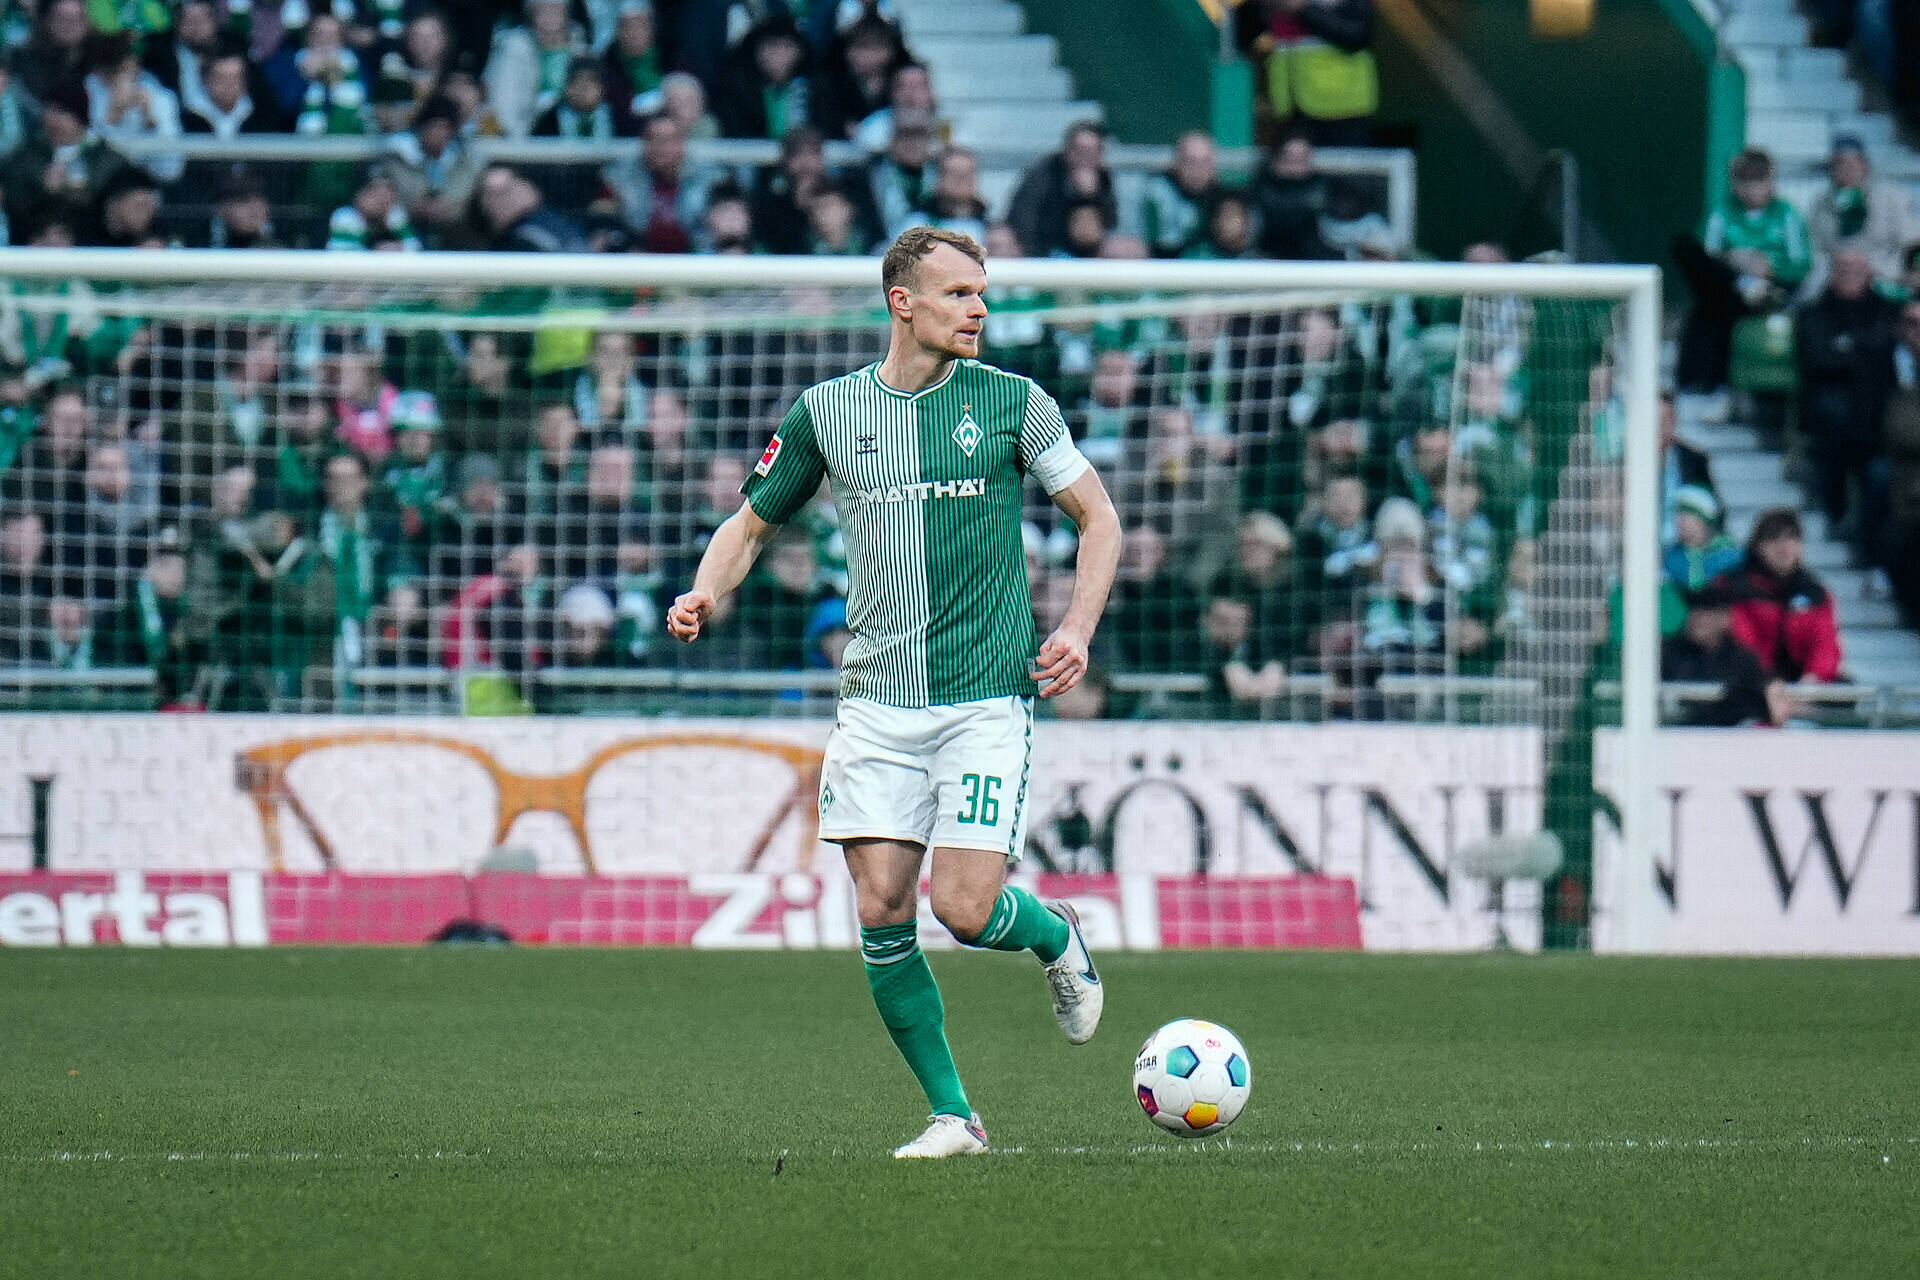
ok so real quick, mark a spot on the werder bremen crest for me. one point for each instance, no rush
(967, 434)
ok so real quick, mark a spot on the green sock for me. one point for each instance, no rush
(909, 1003)
(1020, 922)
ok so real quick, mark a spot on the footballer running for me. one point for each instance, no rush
(932, 748)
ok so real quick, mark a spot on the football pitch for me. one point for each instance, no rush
(658, 1113)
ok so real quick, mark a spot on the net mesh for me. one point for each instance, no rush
(1340, 505)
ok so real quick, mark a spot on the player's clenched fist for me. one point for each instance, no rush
(688, 614)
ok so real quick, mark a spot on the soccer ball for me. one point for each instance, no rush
(1192, 1078)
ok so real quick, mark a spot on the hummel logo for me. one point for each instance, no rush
(866, 444)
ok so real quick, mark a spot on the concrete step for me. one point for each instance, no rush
(1814, 64)
(1715, 440)
(1882, 647)
(980, 18)
(1855, 613)
(1768, 93)
(958, 86)
(1747, 27)
(1744, 503)
(1036, 54)
(1037, 126)
(1824, 556)
(1790, 132)
(1735, 472)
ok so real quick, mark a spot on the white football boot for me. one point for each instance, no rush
(1078, 996)
(947, 1136)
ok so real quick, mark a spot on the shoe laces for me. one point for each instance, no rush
(1066, 992)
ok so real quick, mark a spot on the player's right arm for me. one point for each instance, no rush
(785, 478)
(736, 544)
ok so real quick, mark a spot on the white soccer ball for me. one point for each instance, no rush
(1192, 1078)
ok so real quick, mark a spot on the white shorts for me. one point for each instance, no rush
(953, 776)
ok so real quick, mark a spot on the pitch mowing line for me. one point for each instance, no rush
(1173, 1148)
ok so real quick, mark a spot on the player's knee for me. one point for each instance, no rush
(963, 915)
(880, 909)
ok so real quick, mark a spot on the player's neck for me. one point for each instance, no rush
(910, 367)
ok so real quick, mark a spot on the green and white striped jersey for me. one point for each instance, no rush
(928, 487)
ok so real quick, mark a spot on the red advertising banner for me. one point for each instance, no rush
(747, 910)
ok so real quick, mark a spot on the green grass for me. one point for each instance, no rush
(567, 1113)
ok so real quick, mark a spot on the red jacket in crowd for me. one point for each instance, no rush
(1788, 623)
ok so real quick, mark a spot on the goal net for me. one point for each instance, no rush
(390, 490)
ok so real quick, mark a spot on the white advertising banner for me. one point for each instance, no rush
(1383, 806)
(1772, 843)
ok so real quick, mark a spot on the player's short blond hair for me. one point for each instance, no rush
(903, 257)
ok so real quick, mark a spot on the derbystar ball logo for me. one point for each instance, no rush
(925, 491)
(765, 464)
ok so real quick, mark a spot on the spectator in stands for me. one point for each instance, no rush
(783, 193)
(1859, 212)
(1844, 343)
(400, 629)
(318, 83)
(661, 201)
(416, 479)
(57, 173)
(494, 620)
(1750, 258)
(1464, 542)
(363, 398)
(632, 64)
(727, 226)
(1228, 231)
(242, 218)
(583, 634)
(356, 544)
(1264, 574)
(124, 213)
(1152, 620)
(472, 529)
(433, 168)
(858, 77)
(513, 211)
(1705, 651)
(1681, 465)
(1701, 550)
(955, 202)
(425, 58)
(1049, 190)
(898, 184)
(376, 219)
(56, 56)
(1179, 478)
(763, 88)
(50, 468)
(147, 627)
(1901, 439)
(835, 227)
(16, 113)
(1239, 676)
(1316, 70)
(65, 640)
(776, 604)
(529, 65)
(602, 527)
(1781, 612)
(909, 89)
(581, 111)
(1177, 205)
(1088, 226)
(224, 107)
(1291, 195)
(555, 464)
(609, 397)
(226, 422)
(683, 99)
(307, 422)
(26, 581)
(103, 530)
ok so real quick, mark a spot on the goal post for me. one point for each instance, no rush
(1537, 384)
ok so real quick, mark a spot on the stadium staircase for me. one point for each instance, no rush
(1798, 98)
(1003, 89)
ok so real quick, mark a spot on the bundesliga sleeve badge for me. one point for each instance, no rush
(766, 462)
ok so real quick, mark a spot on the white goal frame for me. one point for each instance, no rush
(1636, 288)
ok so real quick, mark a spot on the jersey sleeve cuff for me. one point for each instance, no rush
(1059, 465)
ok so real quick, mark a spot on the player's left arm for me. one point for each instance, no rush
(1063, 657)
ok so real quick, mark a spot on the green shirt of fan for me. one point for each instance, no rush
(928, 486)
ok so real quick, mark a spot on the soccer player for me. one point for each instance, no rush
(927, 452)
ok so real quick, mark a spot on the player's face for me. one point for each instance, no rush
(948, 311)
